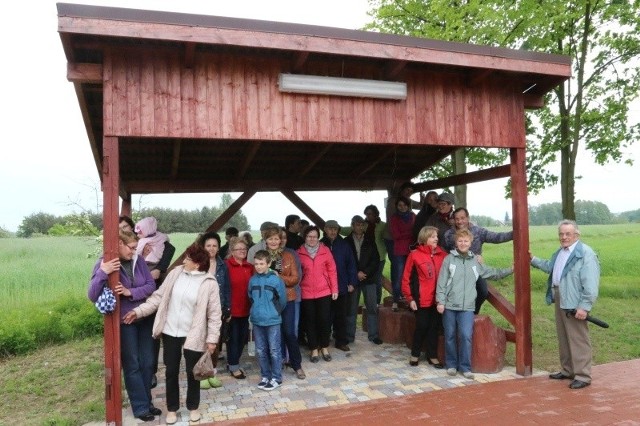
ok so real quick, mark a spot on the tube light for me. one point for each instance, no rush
(338, 86)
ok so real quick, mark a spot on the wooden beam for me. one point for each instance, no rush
(84, 73)
(522, 273)
(471, 177)
(311, 163)
(125, 208)
(533, 101)
(232, 184)
(110, 205)
(248, 158)
(175, 158)
(221, 220)
(511, 335)
(303, 207)
(502, 305)
(373, 163)
(362, 45)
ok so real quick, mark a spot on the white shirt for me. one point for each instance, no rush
(560, 263)
(182, 303)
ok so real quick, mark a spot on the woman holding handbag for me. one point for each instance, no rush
(188, 320)
(210, 241)
(136, 344)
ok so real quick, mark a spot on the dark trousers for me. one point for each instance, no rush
(317, 317)
(289, 336)
(173, 353)
(428, 325)
(238, 335)
(339, 309)
(482, 290)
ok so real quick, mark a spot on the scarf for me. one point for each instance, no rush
(312, 250)
(406, 216)
(275, 257)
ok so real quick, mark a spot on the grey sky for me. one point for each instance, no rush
(46, 163)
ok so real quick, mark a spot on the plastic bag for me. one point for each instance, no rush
(106, 302)
(204, 367)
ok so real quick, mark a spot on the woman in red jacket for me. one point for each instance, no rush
(419, 287)
(319, 286)
(240, 271)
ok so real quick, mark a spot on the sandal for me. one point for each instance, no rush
(238, 374)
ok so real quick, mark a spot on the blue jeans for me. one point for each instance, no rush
(369, 291)
(268, 351)
(396, 280)
(457, 348)
(238, 335)
(290, 336)
(137, 356)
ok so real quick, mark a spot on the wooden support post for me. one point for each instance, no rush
(304, 207)
(110, 179)
(522, 273)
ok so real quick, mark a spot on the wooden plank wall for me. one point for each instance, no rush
(236, 97)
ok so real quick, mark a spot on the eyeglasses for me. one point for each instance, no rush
(312, 237)
(239, 250)
(132, 247)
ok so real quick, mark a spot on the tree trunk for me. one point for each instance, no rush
(460, 167)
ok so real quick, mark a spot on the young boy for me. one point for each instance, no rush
(268, 299)
(456, 298)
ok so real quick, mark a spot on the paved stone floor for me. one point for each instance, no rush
(369, 373)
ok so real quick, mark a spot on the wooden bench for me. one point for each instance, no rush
(489, 341)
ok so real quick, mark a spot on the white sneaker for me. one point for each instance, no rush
(468, 375)
(172, 417)
(264, 382)
(452, 371)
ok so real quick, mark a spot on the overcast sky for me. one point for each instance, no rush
(46, 163)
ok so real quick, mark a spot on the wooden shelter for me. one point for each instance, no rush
(189, 103)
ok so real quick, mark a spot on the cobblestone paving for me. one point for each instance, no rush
(368, 372)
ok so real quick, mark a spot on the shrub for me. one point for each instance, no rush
(67, 319)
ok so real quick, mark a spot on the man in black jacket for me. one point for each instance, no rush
(368, 260)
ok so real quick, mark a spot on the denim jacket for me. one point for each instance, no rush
(580, 278)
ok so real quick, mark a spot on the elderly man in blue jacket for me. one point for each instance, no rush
(574, 277)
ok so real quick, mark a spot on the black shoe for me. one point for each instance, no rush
(314, 358)
(578, 384)
(326, 356)
(558, 376)
(155, 411)
(377, 341)
(344, 348)
(146, 417)
(154, 381)
(436, 365)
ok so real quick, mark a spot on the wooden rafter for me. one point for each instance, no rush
(175, 158)
(248, 158)
(311, 163)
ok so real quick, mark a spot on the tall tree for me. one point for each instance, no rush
(590, 111)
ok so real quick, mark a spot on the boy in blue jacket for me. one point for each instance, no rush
(268, 298)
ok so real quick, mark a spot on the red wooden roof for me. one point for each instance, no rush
(194, 101)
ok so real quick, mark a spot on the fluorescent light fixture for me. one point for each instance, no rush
(338, 86)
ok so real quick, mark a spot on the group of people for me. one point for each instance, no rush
(297, 288)
(437, 267)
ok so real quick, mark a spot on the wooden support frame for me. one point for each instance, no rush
(522, 273)
(110, 190)
(304, 207)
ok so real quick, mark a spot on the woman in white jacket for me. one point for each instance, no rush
(188, 320)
